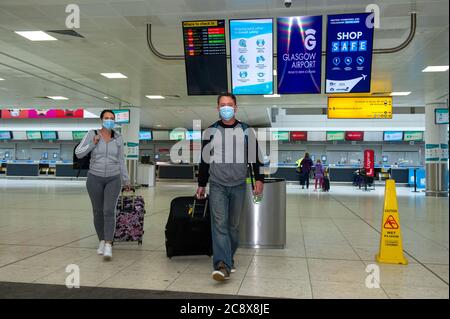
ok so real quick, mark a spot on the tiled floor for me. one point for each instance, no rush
(331, 238)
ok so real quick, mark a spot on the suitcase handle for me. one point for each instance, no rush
(195, 203)
(133, 196)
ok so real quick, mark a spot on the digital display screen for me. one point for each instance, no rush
(34, 135)
(299, 54)
(251, 50)
(193, 135)
(354, 136)
(205, 57)
(416, 136)
(392, 136)
(299, 136)
(335, 136)
(145, 135)
(280, 136)
(177, 135)
(441, 116)
(122, 116)
(49, 135)
(349, 53)
(78, 135)
(5, 135)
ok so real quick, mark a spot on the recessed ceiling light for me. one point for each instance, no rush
(158, 125)
(272, 95)
(57, 97)
(436, 68)
(105, 97)
(400, 93)
(114, 75)
(36, 35)
(155, 97)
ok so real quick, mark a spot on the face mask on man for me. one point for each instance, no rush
(108, 124)
(226, 112)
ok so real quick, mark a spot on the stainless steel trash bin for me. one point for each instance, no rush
(263, 224)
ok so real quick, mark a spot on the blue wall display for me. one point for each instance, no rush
(349, 53)
(299, 54)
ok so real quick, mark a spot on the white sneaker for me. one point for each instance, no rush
(107, 255)
(101, 248)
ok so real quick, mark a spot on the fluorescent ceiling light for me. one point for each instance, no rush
(436, 68)
(57, 97)
(155, 97)
(400, 93)
(273, 95)
(114, 75)
(274, 72)
(2, 79)
(36, 35)
(105, 97)
(158, 125)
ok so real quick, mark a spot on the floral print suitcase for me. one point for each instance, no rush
(130, 218)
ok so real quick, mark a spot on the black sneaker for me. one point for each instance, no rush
(221, 273)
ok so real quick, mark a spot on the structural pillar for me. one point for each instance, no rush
(130, 134)
(436, 152)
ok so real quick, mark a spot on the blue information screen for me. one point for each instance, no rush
(299, 54)
(349, 53)
(251, 49)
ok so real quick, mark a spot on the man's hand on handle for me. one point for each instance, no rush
(201, 192)
(259, 187)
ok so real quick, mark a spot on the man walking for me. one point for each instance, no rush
(226, 170)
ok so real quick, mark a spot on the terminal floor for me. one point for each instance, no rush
(331, 238)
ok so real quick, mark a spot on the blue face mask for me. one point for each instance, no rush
(108, 124)
(226, 112)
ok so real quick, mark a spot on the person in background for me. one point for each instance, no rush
(107, 173)
(305, 168)
(318, 176)
(298, 170)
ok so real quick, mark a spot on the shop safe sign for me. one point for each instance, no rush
(349, 53)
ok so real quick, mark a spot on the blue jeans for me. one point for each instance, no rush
(226, 204)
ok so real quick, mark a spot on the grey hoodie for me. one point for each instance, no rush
(107, 159)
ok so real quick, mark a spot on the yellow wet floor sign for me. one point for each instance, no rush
(391, 248)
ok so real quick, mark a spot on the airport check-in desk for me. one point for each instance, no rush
(168, 171)
(341, 173)
(36, 168)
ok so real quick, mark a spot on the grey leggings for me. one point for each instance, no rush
(104, 193)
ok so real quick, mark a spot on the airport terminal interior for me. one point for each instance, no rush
(361, 86)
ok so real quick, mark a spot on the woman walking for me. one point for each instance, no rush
(318, 176)
(107, 173)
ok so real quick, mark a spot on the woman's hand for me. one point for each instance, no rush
(127, 188)
(96, 139)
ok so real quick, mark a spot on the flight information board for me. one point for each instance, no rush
(205, 57)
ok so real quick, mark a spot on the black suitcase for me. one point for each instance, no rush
(188, 228)
(326, 184)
